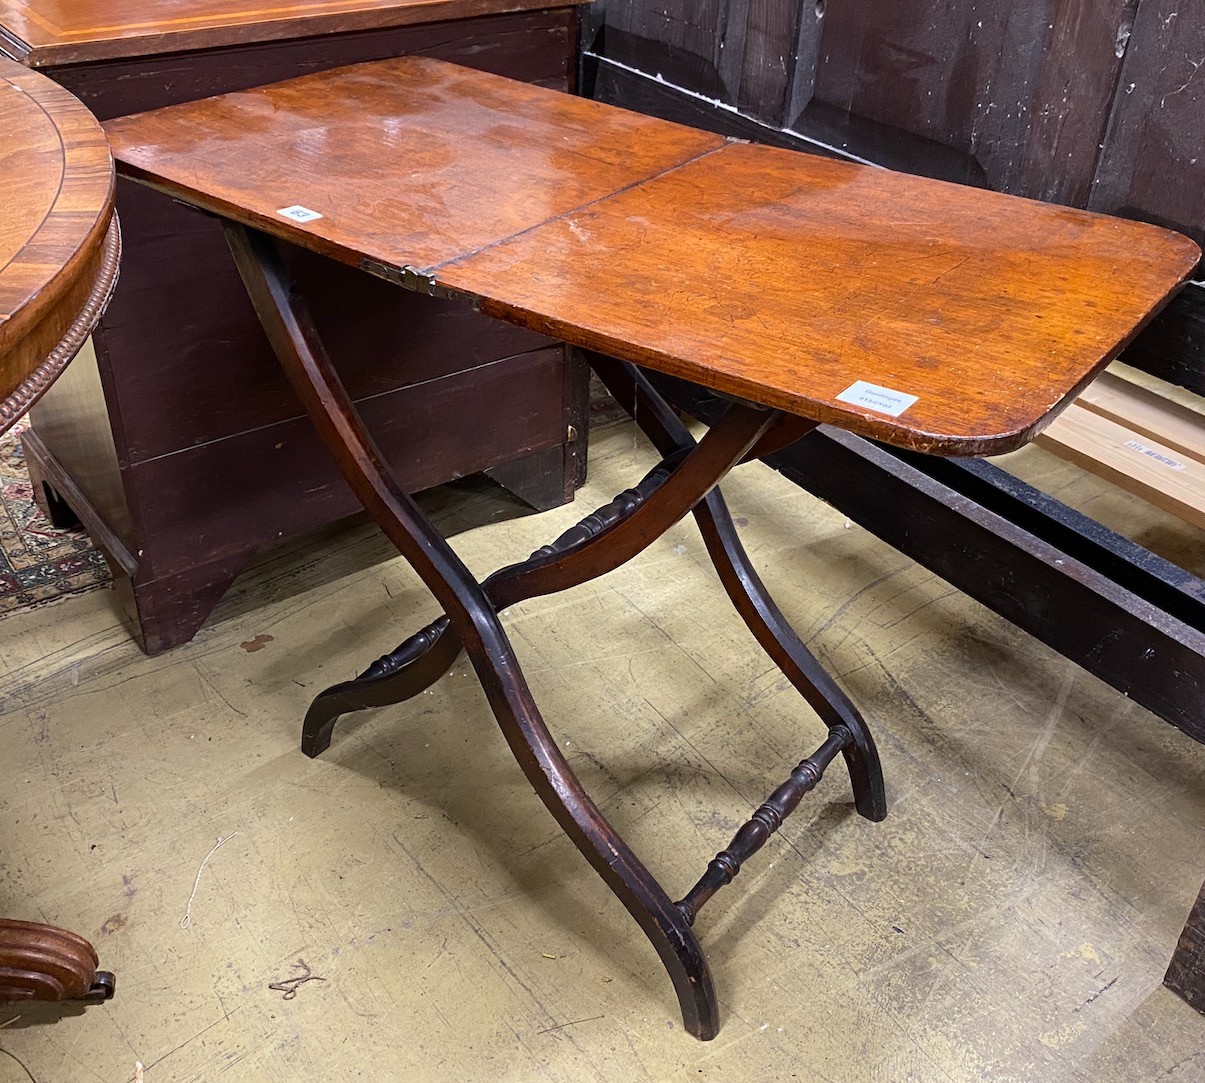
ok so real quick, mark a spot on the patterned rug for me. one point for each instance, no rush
(38, 564)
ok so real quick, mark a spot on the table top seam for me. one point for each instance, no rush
(434, 269)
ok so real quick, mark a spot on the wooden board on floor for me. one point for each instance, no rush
(1147, 412)
(1132, 436)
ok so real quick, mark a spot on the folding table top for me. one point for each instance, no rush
(926, 314)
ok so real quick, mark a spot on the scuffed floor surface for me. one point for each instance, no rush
(1011, 919)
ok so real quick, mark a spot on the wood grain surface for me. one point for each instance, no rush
(1149, 412)
(411, 162)
(56, 180)
(44, 33)
(762, 273)
(41, 962)
(1140, 463)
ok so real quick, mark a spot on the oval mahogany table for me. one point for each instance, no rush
(59, 242)
(59, 253)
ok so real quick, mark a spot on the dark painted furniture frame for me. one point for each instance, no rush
(181, 448)
(1186, 975)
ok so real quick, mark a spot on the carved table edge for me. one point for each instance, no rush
(38, 382)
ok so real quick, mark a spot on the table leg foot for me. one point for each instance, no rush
(412, 668)
(580, 818)
(41, 962)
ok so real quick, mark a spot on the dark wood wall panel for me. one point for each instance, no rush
(679, 40)
(1070, 110)
(957, 75)
(1091, 103)
(768, 57)
(1153, 162)
(1077, 101)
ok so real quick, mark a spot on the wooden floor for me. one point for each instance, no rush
(1012, 918)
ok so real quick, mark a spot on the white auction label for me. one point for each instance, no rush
(1151, 453)
(880, 399)
(299, 213)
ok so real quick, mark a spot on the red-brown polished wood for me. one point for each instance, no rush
(783, 277)
(56, 187)
(50, 32)
(767, 274)
(411, 162)
(739, 267)
(40, 962)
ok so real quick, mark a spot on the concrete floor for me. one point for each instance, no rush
(1011, 919)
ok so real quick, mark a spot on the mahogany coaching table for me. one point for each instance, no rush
(939, 318)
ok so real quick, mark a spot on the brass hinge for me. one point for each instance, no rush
(406, 277)
(409, 278)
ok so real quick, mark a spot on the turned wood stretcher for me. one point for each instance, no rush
(940, 318)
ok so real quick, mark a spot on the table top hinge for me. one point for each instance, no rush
(407, 277)
(418, 281)
(381, 270)
(412, 279)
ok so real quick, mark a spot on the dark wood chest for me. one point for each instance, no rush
(179, 445)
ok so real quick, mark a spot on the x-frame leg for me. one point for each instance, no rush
(686, 477)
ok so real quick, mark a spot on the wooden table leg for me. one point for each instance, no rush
(419, 661)
(41, 962)
(773, 632)
(598, 544)
(477, 625)
(1186, 975)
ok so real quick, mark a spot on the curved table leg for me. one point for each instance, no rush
(475, 618)
(418, 662)
(421, 660)
(415, 665)
(632, 389)
(781, 642)
(580, 818)
(599, 543)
